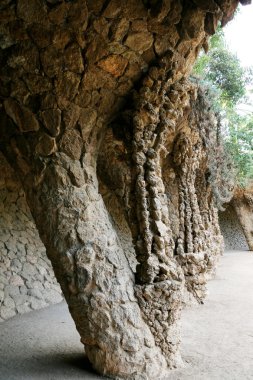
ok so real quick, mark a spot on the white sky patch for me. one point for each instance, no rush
(239, 35)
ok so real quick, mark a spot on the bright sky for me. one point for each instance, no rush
(239, 35)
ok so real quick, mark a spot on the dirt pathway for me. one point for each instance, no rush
(217, 337)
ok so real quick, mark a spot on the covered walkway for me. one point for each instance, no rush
(217, 337)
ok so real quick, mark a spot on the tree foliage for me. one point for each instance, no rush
(240, 145)
(225, 72)
(220, 70)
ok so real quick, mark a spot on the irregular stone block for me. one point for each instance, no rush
(71, 144)
(6, 312)
(73, 59)
(114, 64)
(22, 116)
(22, 309)
(113, 9)
(140, 41)
(66, 85)
(46, 145)
(32, 11)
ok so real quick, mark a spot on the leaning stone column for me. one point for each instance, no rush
(92, 269)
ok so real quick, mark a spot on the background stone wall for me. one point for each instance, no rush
(243, 206)
(231, 230)
(27, 280)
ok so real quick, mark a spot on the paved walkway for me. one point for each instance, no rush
(217, 337)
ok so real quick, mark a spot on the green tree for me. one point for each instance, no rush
(240, 145)
(221, 72)
(225, 72)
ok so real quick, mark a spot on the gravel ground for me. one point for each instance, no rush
(217, 337)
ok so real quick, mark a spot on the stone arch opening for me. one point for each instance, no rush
(231, 230)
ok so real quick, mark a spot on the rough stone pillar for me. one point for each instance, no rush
(91, 267)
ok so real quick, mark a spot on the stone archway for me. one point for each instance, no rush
(231, 230)
(243, 205)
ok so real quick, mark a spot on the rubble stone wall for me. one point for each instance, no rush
(27, 281)
(231, 230)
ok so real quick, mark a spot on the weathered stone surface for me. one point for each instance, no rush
(52, 61)
(114, 64)
(78, 15)
(24, 58)
(208, 6)
(134, 10)
(119, 29)
(166, 42)
(22, 116)
(59, 13)
(231, 230)
(211, 23)
(243, 205)
(46, 145)
(53, 296)
(87, 121)
(67, 84)
(6, 312)
(18, 269)
(129, 115)
(73, 60)
(193, 23)
(139, 41)
(113, 9)
(21, 309)
(16, 280)
(52, 120)
(71, 115)
(32, 11)
(71, 144)
(9, 303)
(41, 34)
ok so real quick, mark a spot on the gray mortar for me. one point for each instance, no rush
(231, 230)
